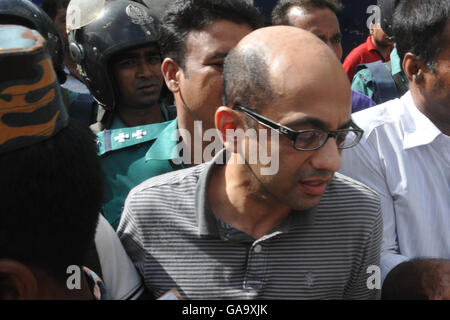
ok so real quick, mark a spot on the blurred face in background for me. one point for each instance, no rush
(379, 38)
(320, 21)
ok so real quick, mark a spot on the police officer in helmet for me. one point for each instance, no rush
(115, 45)
(117, 41)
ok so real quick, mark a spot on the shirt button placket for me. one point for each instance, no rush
(256, 268)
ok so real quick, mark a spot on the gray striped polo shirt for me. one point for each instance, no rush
(175, 241)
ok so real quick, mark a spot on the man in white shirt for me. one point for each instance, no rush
(405, 157)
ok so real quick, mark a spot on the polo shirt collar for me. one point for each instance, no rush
(165, 146)
(419, 130)
(370, 45)
(207, 222)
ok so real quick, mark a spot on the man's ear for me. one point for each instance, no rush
(171, 72)
(414, 68)
(227, 122)
(17, 281)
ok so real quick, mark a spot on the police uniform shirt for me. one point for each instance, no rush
(131, 155)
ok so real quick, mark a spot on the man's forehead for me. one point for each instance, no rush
(311, 93)
(218, 36)
(135, 53)
(315, 122)
(150, 48)
(314, 17)
(325, 117)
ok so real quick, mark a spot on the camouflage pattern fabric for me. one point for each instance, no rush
(31, 105)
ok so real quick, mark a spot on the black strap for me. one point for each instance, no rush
(83, 109)
(92, 260)
(385, 88)
(401, 86)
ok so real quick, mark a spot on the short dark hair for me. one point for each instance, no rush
(51, 7)
(184, 16)
(51, 195)
(418, 28)
(246, 79)
(281, 10)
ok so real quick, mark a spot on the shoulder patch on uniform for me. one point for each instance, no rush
(116, 139)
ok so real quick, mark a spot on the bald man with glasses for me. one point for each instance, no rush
(232, 231)
(313, 139)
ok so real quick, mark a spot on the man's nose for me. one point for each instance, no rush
(328, 157)
(144, 68)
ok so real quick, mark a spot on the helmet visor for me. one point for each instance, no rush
(80, 13)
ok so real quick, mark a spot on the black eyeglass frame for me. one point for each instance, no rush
(292, 134)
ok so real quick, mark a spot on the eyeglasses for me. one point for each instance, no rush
(313, 139)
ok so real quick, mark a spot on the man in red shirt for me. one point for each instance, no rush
(378, 46)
